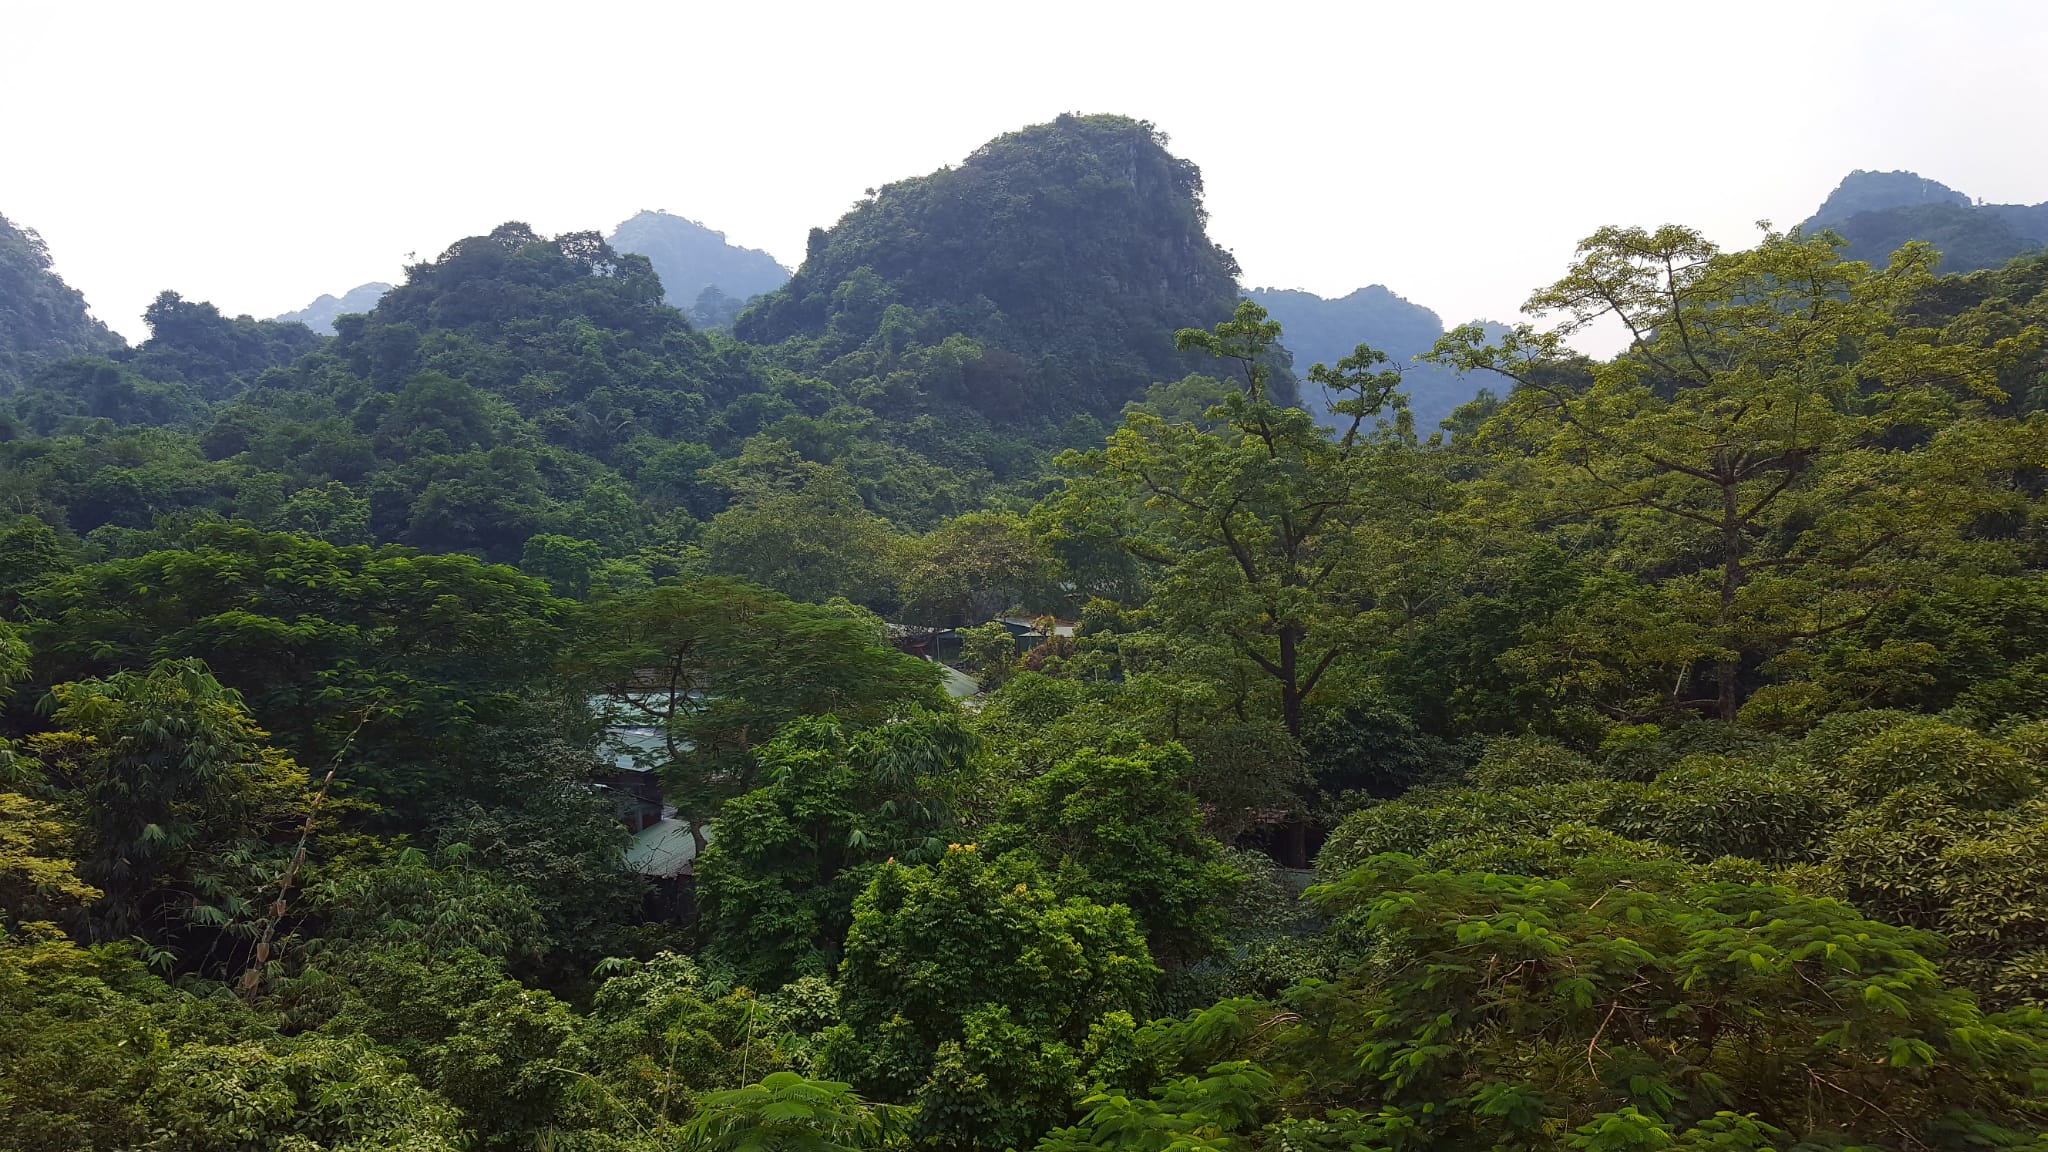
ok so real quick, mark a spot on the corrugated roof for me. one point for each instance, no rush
(663, 849)
(959, 685)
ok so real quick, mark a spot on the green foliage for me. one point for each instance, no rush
(41, 317)
(1243, 771)
(331, 512)
(662, 1036)
(1914, 820)
(314, 1092)
(789, 1113)
(217, 356)
(1632, 986)
(85, 391)
(551, 835)
(778, 882)
(814, 544)
(179, 798)
(1676, 724)
(96, 1053)
(1369, 745)
(715, 667)
(442, 906)
(1712, 806)
(1120, 829)
(1265, 534)
(564, 562)
(973, 567)
(991, 650)
(1211, 1113)
(14, 658)
(995, 1086)
(513, 1065)
(380, 653)
(967, 969)
(1007, 248)
(39, 880)
(1954, 763)
(1743, 454)
(1320, 331)
(1523, 761)
(1427, 817)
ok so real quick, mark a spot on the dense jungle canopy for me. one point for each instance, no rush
(1644, 753)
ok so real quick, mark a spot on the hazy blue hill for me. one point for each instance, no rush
(1070, 252)
(700, 273)
(320, 314)
(1319, 330)
(692, 259)
(41, 317)
(1876, 212)
(1865, 191)
(2029, 220)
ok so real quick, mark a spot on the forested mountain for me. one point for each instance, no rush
(519, 393)
(1068, 252)
(1320, 331)
(508, 723)
(1877, 212)
(700, 273)
(41, 318)
(707, 278)
(321, 313)
(194, 358)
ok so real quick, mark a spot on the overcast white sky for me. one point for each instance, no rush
(257, 155)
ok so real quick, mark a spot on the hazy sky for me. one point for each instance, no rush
(258, 155)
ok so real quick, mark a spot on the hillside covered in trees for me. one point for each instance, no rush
(41, 317)
(1067, 253)
(1879, 211)
(707, 278)
(512, 722)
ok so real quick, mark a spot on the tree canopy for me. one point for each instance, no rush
(971, 707)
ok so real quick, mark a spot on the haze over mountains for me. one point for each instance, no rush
(1070, 271)
(656, 824)
(1879, 211)
(709, 279)
(320, 314)
(1319, 331)
(692, 260)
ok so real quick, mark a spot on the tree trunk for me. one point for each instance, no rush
(1290, 682)
(1726, 671)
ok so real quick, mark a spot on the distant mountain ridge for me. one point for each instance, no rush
(1318, 330)
(320, 314)
(701, 272)
(1877, 212)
